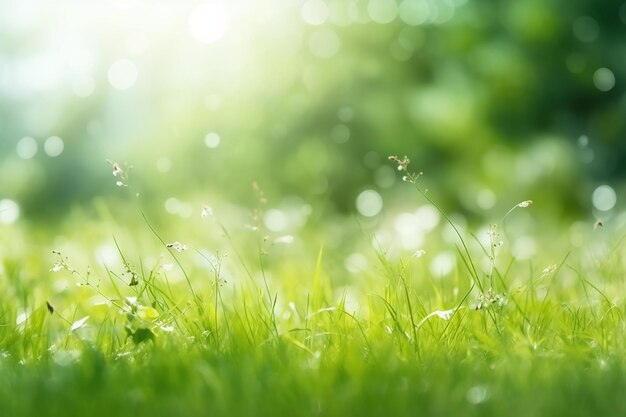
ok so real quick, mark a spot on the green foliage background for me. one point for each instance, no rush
(481, 95)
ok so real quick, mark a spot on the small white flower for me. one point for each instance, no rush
(525, 204)
(206, 212)
(57, 267)
(117, 171)
(119, 183)
(177, 246)
(548, 270)
(419, 253)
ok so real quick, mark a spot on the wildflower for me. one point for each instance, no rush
(117, 171)
(58, 266)
(206, 212)
(548, 270)
(177, 246)
(525, 204)
(62, 264)
(490, 299)
(419, 253)
(402, 164)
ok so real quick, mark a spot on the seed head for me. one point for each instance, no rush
(598, 223)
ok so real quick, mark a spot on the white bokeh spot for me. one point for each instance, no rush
(212, 140)
(53, 146)
(123, 74)
(9, 211)
(26, 147)
(369, 203)
(604, 198)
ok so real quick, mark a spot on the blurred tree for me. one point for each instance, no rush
(484, 96)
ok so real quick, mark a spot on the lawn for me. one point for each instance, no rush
(199, 214)
(277, 326)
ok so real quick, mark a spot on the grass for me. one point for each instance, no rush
(263, 329)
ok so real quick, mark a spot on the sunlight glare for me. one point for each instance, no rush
(209, 22)
(123, 74)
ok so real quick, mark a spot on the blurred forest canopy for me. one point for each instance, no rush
(496, 102)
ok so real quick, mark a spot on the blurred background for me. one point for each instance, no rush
(495, 102)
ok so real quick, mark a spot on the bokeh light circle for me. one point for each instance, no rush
(123, 74)
(324, 43)
(53, 146)
(382, 11)
(604, 198)
(26, 147)
(604, 79)
(9, 211)
(369, 203)
(315, 12)
(212, 140)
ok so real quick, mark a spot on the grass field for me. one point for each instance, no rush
(153, 323)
